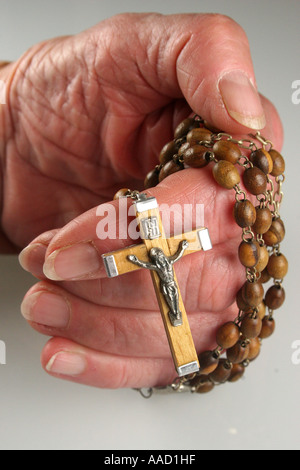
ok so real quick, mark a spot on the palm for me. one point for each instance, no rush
(76, 140)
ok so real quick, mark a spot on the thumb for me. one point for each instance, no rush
(204, 58)
(215, 71)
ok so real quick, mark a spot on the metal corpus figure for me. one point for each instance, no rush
(163, 266)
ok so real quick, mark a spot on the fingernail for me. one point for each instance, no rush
(67, 363)
(72, 263)
(242, 100)
(47, 309)
(32, 259)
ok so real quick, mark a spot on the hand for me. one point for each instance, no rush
(88, 114)
(108, 332)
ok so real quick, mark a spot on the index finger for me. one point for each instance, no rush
(75, 252)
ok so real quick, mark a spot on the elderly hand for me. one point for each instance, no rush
(87, 115)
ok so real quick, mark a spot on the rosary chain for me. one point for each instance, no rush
(270, 199)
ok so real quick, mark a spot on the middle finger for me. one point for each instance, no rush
(122, 331)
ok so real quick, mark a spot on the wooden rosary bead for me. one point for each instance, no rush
(251, 326)
(183, 148)
(202, 384)
(262, 160)
(222, 372)
(275, 297)
(237, 372)
(238, 353)
(244, 213)
(121, 193)
(263, 220)
(167, 152)
(184, 127)
(195, 156)
(278, 163)
(198, 135)
(249, 253)
(252, 293)
(226, 175)
(261, 310)
(242, 305)
(225, 150)
(278, 266)
(212, 128)
(152, 179)
(268, 327)
(254, 349)
(265, 276)
(168, 169)
(255, 181)
(228, 335)
(263, 259)
(209, 361)
(275, 234)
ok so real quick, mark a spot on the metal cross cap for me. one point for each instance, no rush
(158, 254)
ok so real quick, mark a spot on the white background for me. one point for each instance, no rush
(259, 412)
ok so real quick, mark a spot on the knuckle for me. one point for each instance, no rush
(226, 23)
(223, 29)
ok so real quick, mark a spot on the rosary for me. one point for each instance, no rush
(196, 144)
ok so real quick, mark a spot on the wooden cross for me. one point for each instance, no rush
(168, 294)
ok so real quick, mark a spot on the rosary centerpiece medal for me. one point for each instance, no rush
(158, 254)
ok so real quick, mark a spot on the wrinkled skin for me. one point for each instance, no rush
(86, 115)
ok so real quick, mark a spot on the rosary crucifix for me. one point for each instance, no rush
(158, 254)
(163, 266)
